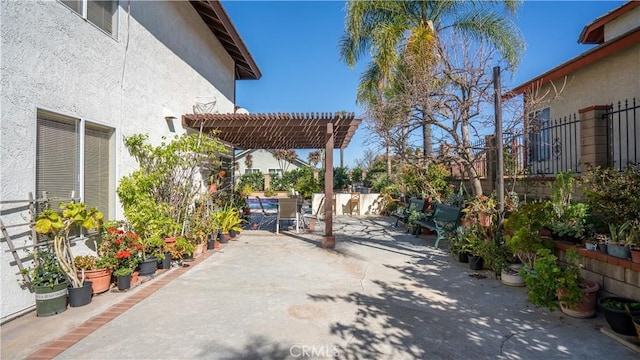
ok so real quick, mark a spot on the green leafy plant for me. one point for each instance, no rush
(59, 225)
(123, 271)
(541, 282)
(612, 195)
(182, 247)
(481, 204)
(153, 246)
(550, 279)
(494, 254)
(229, 219)
(46, 270)
(169, 178)
(614, 304)
(269, 192)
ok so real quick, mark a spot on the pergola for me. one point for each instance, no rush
(285, 131)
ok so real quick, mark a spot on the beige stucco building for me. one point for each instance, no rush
(584, 111)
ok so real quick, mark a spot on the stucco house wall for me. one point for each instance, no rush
(162, 58)
(603, 75)
(618, 73)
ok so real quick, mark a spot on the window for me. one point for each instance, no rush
(103, 14)
(539, 135)
(251, 171)
(74, 157)
(275, 172)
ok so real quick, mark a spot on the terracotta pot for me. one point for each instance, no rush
(485, 219)
(135, 276)
(100, 279)
(199, 249)
(586, 308)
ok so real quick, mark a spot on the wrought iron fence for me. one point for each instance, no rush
(552, 146)
(623, 134)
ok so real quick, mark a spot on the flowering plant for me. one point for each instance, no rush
(124, 247)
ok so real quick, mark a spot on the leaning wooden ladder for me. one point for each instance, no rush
(31, 222)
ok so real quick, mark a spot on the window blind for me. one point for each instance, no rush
(97, 168)
(103, 14)
(57, 157)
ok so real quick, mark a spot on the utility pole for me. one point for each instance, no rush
(497, 96)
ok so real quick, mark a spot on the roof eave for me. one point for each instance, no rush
(218, 21)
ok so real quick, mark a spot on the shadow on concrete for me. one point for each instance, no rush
(436, 310)
(258, 348)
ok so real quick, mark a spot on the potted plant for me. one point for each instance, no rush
(549, 281)
(153, 249)
(123, 276)
(633, 241)
(124, 247)
(59, 225)
(618, 235)
(48, 282)
(183, 249)
(494, 255)
(577, 296)
(97, 270)
(472, 238)
(481, 207)
(522, 231)
(618, 311)
(227, 220)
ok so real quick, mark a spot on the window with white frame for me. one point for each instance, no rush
(539, 129)
(75, 157)
(275, 172)
(251, 171)
(103, 14)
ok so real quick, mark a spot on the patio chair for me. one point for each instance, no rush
(287, 210)
(354, 203)
(266, 215)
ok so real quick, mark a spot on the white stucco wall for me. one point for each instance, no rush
(162, 57)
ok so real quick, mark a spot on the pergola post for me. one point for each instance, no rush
(329, 241)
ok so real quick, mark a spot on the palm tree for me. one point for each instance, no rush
(390, 31)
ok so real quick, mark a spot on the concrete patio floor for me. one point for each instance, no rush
(381, 294)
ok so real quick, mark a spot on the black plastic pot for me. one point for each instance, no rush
(166, 262)
(476, 262)
(80, 296)
(463, 257)
(123, 282)
(619, 320)
(149, 266)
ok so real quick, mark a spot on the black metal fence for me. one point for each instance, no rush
(623, 134)
(548, 147)
(554, 146)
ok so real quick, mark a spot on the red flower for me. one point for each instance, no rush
(123, 254)
(118, 241)
(112, 231)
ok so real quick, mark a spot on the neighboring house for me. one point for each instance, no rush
(263, 161)
(78, 76)
(579, 127)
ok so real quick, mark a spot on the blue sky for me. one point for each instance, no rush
(295, 44)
